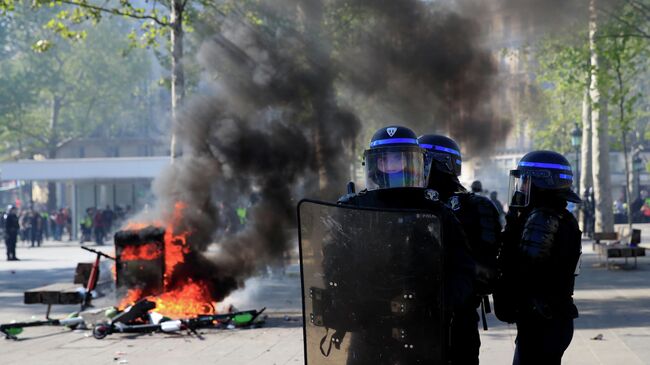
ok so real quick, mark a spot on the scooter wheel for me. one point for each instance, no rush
(100, 331)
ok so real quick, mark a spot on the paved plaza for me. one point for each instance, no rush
(614, 306)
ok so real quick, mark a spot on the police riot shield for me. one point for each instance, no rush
(372, 285)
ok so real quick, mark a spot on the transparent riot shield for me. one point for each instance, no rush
(372, 285)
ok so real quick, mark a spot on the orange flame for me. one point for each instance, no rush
(175, 244)
(132, 296)
(188, 298)
(148, 251)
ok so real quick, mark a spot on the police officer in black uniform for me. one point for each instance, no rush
(540, 258)
(480, 221)
(394, 166)
(11, 232)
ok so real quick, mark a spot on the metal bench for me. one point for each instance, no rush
(61, 293)
(57, 293)
(603, 236)
(625, 247)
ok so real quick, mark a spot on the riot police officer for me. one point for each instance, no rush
(540, 258)
(480, 221)
(394, 166)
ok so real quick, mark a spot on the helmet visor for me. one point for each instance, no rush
(438, 161)
(519, 189)
(394, 167)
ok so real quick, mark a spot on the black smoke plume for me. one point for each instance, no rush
(274, 123)
(428, 68)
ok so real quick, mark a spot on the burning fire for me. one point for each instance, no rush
(148, 251)
(188, 298)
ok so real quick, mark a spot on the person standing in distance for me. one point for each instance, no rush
(477, 187)
(11, 232)
(540, 259)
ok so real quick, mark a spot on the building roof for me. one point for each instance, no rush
(84, 168)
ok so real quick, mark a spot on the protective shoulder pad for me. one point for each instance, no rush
(488, 219)
(539, 234)
(483, 206)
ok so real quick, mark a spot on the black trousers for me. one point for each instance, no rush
(99, 235)
(542, 341)
(465, 339)
(10, 242)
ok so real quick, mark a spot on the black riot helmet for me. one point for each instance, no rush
(545, 171)
(394, 159)
(442, 154)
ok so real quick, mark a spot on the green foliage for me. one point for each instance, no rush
(631, 16)
(152, 20)
(563, 67)
(6, 6)
(99, 90)
(627, 58)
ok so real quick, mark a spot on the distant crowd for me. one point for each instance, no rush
(98, 223)
(34, 225)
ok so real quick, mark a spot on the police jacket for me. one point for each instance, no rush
(541, 252)
(11, 224)
(480, 221)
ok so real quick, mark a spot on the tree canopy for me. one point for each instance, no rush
(53, 90)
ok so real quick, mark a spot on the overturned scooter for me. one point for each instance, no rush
(12, 330)
(123, 324)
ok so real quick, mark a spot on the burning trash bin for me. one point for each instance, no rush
(140, 261)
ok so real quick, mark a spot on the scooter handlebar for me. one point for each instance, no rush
(98, 252)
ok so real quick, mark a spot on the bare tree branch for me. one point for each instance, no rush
(623, 35)
(632, 26)
(115, 11)
(642, 9)
(640, 5)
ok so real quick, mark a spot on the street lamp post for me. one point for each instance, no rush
(637, 165)
(576, 137)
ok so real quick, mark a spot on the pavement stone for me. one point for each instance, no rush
(612, 303)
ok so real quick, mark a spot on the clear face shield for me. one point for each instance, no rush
(442, 162)
(519, 189)
(394, 167)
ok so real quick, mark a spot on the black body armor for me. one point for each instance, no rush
(480, 221)
(540, 254)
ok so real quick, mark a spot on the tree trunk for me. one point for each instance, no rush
(52, 148)
(628, 198)
(586, 177)
(600, 139)
(624, 133)
(178, 75)
(634, 173)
